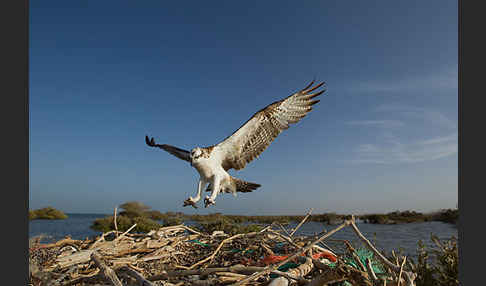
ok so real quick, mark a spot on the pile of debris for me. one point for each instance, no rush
(180, 255)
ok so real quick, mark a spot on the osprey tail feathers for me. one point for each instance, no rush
(237, 185)
(243, 186)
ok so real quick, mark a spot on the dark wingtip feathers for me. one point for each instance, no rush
(149, 142)
(309, 85)
(315, 94)
(314, 88)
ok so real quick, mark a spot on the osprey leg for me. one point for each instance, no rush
(192, 201)
(202, 183)
(216, 187)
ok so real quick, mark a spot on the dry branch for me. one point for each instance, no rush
(401, 271)
(371, 273)
(140, 279)
(108, 273)
(114, 221)
(301, 223)
(123, 234)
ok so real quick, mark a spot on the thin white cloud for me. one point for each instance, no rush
(430, 116)
(391, 152)
(438, 140)
(401, 145)
(380, 123)
(445, 79)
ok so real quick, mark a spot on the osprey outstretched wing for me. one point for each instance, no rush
(244, 145)
(254, 136)
(178, 152)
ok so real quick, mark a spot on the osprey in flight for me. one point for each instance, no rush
(244, 145)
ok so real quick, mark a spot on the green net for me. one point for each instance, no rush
(198, 242)
(284, 268)
(363, 254)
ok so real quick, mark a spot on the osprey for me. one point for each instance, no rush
(244, 145)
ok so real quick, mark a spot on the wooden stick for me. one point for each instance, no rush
(265, 228)
(288, 239)
(396, 257)
(283, 228)
(180, 226)
(97, 241)
(123, 234)
(116, 226)
(401, 270)
(369, 268)
(267, 249)
(230, 274)
(59, 243)
(140, 279)
(268, 269)
(355, 256)
(69, 260)
(301, 223)
(108, 273)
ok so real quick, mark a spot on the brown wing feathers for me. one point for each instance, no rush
(265, 125)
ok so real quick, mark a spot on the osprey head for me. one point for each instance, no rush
(196, 153)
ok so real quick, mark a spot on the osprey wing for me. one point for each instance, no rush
(249, 141)
(179, 153)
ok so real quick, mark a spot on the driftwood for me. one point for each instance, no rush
(140, 279)
(108, 273)
(178, 255)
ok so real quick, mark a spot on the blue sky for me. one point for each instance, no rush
(103, 74)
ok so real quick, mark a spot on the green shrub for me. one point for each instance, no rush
(375, 218)
(134, 209)
(169, 221)
(47, 213)
(144, 224)
(156, 215)
(437, 266)
(227, 225)
(447, 215)
(329, 218)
